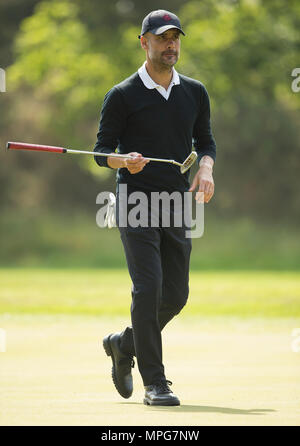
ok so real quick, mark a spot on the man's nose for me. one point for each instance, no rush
(171, 42)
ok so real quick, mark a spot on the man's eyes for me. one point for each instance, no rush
(176, 37)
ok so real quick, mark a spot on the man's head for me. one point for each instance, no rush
(160, 38)
(157, 22)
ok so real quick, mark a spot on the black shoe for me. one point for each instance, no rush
(160, 394)
(122, 363)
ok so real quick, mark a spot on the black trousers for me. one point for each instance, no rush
(158, 263)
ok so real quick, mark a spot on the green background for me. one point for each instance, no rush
(61, 57)
(64, 283)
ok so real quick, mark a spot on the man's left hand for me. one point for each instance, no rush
(205, 183)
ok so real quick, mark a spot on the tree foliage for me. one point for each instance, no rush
(55, 59)
(67, 54)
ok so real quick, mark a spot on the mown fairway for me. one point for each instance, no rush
(107, 292)
(229, 354)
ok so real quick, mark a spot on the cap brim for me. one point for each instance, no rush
(162, 29)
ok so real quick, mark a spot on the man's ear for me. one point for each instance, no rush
(144, 43)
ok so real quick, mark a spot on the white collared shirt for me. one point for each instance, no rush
(149, 82)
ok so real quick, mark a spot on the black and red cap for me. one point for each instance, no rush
(157, 22)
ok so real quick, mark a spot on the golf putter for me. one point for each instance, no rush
(184, 167)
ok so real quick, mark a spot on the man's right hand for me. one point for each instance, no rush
(135, 164)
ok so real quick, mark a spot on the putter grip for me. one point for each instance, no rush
(37, 147)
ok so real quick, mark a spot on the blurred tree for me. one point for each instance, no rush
(244, 52)
(12, 13)
(56, 87)
(55, 59)
(245, 47)
(69, 53)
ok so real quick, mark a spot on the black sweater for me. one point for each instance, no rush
(137, 119)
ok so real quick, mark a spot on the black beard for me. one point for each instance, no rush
(163, 60)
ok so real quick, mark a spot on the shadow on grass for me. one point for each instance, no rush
(212, 409)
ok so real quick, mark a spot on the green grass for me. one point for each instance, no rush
(107, 292)
(60, 241)
(226, 371)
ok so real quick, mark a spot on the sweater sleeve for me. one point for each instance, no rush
(112, 124)
(203, 139)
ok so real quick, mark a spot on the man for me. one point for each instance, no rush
(159, 113)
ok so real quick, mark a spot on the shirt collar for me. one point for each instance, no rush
(149, 82)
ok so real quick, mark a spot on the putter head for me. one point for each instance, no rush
(187, 164)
